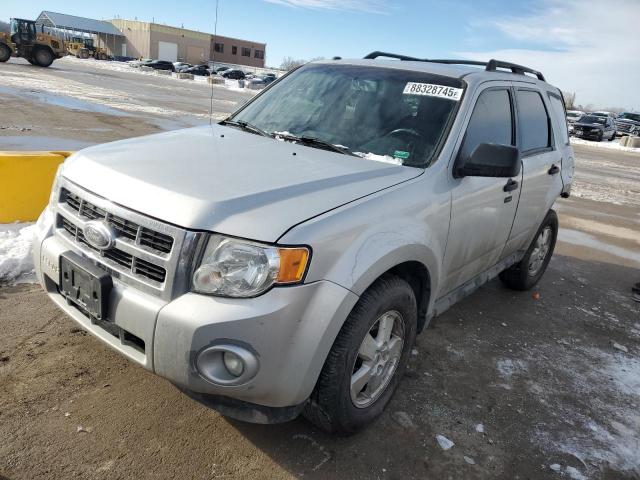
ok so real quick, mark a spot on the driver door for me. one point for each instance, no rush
(482, 208)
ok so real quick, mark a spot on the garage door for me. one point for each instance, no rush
(195, 55)
(168, 51)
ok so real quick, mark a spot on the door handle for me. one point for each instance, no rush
(554, 169)
(510, 186)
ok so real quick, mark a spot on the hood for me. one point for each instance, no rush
(627, 120)
(225, 180)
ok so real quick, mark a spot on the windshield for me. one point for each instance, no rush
(380, 114)
(593, 119)
(630, 116)
(574, 114)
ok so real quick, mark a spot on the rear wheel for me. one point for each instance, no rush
(43, 57)
(528, 272)
(367, 360)
(5, 52)
(613, 136)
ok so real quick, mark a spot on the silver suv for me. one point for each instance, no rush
(284, 259)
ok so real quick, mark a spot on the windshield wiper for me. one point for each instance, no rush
(246, 126)
(314, 142)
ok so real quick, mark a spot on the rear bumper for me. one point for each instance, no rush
(290, 331)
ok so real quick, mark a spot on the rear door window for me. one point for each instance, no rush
(557, 110)
(533, 121)
(491, 122)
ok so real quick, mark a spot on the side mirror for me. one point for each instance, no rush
(490, 160)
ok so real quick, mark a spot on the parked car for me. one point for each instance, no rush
(160, 65)
(290, 263)
(233, 74)
(201, 70)
(137, 63)
(220, 70)
(260, 80)
(268, 78)
(595, 127)
(572, 117)
(181, 66)
(603, 114)
(628, 123)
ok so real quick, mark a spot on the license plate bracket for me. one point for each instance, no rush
(85, 285)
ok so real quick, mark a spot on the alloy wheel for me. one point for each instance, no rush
(378, 358)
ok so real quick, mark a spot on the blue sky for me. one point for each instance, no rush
(555, 36)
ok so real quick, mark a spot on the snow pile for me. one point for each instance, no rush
(614, 145)
(16, 264)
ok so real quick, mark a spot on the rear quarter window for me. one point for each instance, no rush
(557, 110)
(533, 121)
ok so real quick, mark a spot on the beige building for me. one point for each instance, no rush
(162, 42)
(234, 50)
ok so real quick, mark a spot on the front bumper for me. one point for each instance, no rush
(591, 134)
(290, 329)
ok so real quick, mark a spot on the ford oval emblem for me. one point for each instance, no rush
(99, 235)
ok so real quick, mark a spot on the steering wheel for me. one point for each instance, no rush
(399, 132)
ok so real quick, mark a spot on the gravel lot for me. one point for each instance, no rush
(527, 385)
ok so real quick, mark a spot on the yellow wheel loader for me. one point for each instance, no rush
(25, 41)
(84, 48)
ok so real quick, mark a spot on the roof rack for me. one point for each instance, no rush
(490, 66)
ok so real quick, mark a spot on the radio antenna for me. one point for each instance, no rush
(213, 59)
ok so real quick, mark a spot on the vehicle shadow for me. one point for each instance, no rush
(499, 358)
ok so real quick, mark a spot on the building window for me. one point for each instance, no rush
(259, 54)
(246, 52)
(234, 50)
(219, 47)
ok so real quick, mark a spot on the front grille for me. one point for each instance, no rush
(624, 127)
(155, 241)
(137, 266)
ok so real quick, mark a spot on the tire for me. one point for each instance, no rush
(5, 53)
(528, 272)
(613, 136)
(332, 405)
(600, 137)
(43, 57)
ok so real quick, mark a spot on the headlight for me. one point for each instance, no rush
(53, 197)
(239, 268)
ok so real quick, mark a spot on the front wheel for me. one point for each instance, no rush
(43, 57)
(367, 360)
(5, 52)
(528, 272)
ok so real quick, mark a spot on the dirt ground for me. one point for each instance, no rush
(527, 385)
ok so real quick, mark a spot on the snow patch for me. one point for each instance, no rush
(508, 367)
(613, 145)
(16, 264)
(379, 158)
(444, 442)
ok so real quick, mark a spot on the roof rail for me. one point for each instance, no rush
(490, 66)
(374, 55)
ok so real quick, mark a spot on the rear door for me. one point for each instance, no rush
(559, 120)
(482, 208)
(541, 165)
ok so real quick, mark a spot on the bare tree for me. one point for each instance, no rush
(569, 99)
(289, 63)
(4, 26)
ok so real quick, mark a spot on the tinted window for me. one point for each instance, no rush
(491, 122)
(557, 109)
(532, 120)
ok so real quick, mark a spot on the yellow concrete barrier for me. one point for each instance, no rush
(25, 183)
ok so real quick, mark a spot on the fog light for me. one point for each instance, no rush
(227, 364)
(233, 363)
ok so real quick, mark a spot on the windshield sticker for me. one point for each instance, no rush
(433, 90)
(400, 154)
